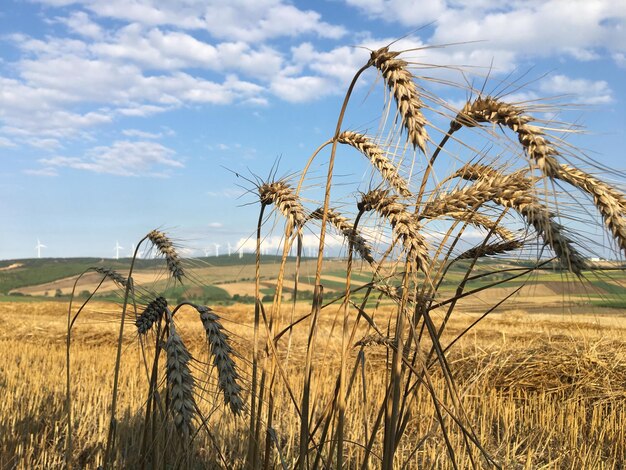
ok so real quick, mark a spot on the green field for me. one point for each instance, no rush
(216, 280)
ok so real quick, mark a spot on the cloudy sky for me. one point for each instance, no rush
(119, 116)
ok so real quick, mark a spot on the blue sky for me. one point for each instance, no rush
(119, 116)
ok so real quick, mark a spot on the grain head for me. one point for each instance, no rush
(342, 224)
(401, 84)
(378, 158)
(222, 358)
(154, 310)
(285, 199)
(404, 225)
(166, 248)
(180, 384)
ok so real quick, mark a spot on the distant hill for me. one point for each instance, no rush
(231, 278)
(18, 273)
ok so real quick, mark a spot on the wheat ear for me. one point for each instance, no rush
(475, 171)
(154, 310)
(507, 187)
(405, 227)
(166, 248)
(400, 82)
(482, 221)
(112, 274)
(610, 202)
(347, 229)
(180, 383)
(222, 358)
(491, 249)
(489, 109)
(540, 218)
(285, 199)
(376, 339)
(553, 235)
(377, 157)
(512, 191)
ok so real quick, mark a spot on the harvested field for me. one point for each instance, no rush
(532, 385)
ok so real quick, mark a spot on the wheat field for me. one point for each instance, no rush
(431, 360)
(542, 390)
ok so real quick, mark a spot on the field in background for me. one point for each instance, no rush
(542, 380)
(226, 280)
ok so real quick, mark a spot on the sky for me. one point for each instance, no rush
(120, 116)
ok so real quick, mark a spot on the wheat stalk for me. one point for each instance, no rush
(400, 82)
(347, 229)
(377, 157)
(222, 352)
(405, 227)
(154, 310)
(395, 293)
(285, 199)
(166, 248)
(180, 383)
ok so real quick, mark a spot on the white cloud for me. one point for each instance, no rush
(185, 14)
(538, 27)
(4, 142)
(162, 55)
(261, 20)
(582, 90)
(620, 59)
(46, 144)
(274, 243)
(159, 50)
(301, 89)
(517, 29)
(141, 134)
(340, 63)
(42, 101)
(123, 158)
(216, 225)
(405, 12)
(80, 23)
(142, 110)
(235, 19)
(42, 172)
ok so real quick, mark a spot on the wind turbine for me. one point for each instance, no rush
(206, 252)
(117, 249)
(229, 248)
(39, 247)
(217, 249)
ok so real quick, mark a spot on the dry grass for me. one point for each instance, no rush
(543, 391)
